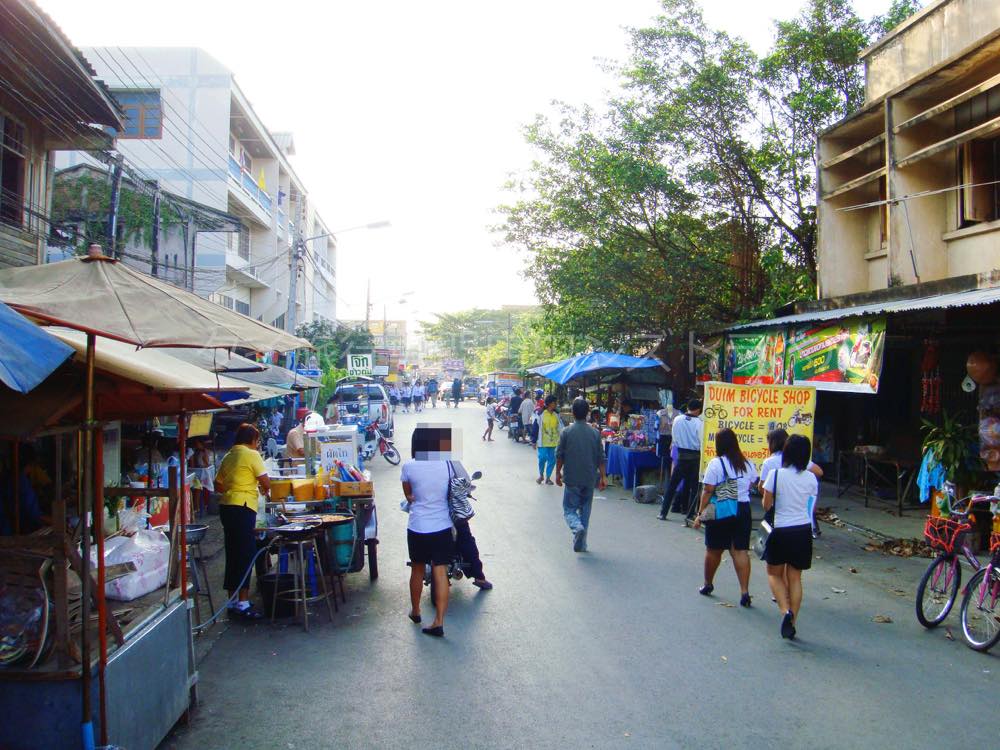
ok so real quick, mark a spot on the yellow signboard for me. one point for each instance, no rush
(752, 411)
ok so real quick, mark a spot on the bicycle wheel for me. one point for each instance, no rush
(936, 594)
(981, 622)
(390, 454)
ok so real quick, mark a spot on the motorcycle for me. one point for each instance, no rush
(457, 568)
(376, 440)
(503, 413)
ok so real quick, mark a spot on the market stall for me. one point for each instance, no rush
(107, 300)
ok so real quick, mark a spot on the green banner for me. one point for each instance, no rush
(844, 355)
(755, 358)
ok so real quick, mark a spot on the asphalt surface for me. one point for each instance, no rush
(610, 648)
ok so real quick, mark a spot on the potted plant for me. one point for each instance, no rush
(954, 447)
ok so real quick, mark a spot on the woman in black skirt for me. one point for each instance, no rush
(791, 491)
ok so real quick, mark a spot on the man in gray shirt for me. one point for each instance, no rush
(579, 468)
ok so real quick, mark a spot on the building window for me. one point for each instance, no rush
(980, 168)
(143, 115)
(244, 249)
(279, 322)
(227, 302)
(243, 307)
(13, 156)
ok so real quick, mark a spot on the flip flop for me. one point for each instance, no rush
(415, 618)
(437, 632)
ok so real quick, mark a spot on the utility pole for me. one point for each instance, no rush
(385, 328)
(116, 185)
(295, 255)
(154, 244)
(368, 304)
(508, 338)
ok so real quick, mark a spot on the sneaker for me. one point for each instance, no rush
(579, 537)
(662, 517)
(706, 590)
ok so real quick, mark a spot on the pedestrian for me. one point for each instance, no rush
(432, 392)
(242, 477)
(776, 440)
(733, 533)
(595, 419)
(393, 397)
(686, 436)
(514, 415)
(665, 424)
(429, 532)
(456, 390)
(791, 491)
(526, 412)
(491, 416)
(406, 397)
(295, 440)
(418, 396)
(581, 455)
(276, 419)
(549, 441)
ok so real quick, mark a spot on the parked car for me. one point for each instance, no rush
(470, 388)
(361, 399)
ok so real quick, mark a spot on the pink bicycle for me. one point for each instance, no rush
(980, 611)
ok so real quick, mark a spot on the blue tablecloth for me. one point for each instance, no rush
(626, 463)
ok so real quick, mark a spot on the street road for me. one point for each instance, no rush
(611, 648)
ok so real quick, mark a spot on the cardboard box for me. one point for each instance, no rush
(351, 489)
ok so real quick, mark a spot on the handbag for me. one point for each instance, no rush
(723, 503)
(459, 492)
(766, 524)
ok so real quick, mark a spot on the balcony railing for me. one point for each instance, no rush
(248, 185)
(282, 223)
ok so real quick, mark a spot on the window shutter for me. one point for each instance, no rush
(977, 168)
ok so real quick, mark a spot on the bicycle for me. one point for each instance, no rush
(713, 412)
(938, 588)
(980, 610)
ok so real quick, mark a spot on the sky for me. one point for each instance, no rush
(411, 113)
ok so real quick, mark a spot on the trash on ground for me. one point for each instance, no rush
(882, 619)
(838, 591)
(901, 547)
(825, 514)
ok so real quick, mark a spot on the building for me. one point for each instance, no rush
(908, 188)
(190, 127)
(50, 99)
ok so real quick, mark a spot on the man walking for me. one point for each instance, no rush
(456, 391)
(432, 392)
(579, 468)
(686, 433)
(514, 412)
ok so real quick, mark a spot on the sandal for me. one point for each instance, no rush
(437, 632)
(415, 618)
(706, 590)
(484, 585)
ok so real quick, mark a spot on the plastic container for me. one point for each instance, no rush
(280, 489)
(340, 537)
(302, 489)
(285, 582)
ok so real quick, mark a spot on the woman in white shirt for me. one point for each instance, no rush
(791, 491)
(429, 530)
(776, 440)
(732, 533)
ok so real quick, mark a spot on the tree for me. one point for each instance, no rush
(462, 333)
(899, 11)
(332, 343)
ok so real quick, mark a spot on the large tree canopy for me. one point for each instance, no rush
(688, 199)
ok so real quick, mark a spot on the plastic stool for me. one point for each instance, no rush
(196, 560)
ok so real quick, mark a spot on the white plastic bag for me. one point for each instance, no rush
(149, 551)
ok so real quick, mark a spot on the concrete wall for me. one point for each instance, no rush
(941, 31)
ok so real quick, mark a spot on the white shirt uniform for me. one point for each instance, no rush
(687, 432)
(719, 467)
(429, 509)
(796, 497)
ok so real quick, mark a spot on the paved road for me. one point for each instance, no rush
(612, 648)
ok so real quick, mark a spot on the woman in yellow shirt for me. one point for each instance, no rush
(240, 475)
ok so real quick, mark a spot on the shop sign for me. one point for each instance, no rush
(752, 411)
(382, 370)
(845, 355)
(359, 365)
(456, 365)
(755, 358)
(707, 359)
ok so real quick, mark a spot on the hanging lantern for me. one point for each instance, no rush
(981, 367)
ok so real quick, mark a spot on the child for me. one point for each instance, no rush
(491, 415)
(406, 395)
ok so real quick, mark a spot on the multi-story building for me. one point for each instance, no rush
(49, 100)
(908, 185)
(189, 126)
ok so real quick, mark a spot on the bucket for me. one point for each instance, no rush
(285, 582)
(302, 489)
(340, 537)
(280, 489)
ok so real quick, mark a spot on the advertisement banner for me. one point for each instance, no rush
(752, 411)
(755, 358)
(453, 365)
(843, 355)
(708, 359)
(360, 364)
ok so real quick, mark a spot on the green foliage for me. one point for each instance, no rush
(461, 334)
(898, 12)
(689, 199)
(332, 344)
(954, 445)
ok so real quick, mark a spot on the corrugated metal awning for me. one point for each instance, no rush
(932, 302)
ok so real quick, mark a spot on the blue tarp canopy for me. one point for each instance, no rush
(593, 366)
(28, 354)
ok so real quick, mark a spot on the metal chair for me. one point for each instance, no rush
(301, 549)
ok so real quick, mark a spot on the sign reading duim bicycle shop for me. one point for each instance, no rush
(360, 365)
(752, 411)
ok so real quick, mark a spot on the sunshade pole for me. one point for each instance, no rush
(17, 487)
(87, 726)
(182, 450)
(102, 609)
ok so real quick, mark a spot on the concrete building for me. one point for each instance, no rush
(50, 99)
(908, 186)
(189, 126)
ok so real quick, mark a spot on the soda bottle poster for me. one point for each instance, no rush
(843, 355)
(755, 358)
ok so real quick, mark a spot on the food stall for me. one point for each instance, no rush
(104, 301)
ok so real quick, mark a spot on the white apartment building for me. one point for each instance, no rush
(190, 127)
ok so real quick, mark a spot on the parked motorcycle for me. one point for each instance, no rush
(376, 440)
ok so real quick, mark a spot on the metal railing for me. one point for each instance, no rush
(249, 186)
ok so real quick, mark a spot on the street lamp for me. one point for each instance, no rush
(298, 250)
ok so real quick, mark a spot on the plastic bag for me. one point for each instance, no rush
(132, 520)
(149, 551)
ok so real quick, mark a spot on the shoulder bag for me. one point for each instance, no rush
(723, 503)
(767, 523)
(459, 492)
